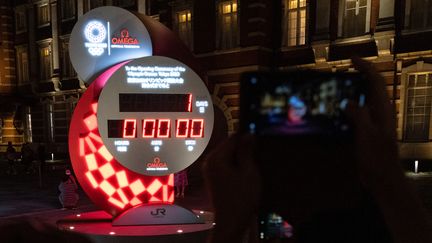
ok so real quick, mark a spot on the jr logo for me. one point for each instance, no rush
(158, 212)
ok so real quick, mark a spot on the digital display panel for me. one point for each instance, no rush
(136, 102)
(156, 128)
(155, 115)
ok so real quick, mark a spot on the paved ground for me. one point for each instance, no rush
(21, 196)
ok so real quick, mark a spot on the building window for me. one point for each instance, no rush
(354, 17)
(67, 69)
(96, 3)
(124, 3)
(68, 9)
(418, 14)
(184, 27)
(20, 21)
(45, 63)
(43, 15)
(418, 107)
(228, 30)
(22, 65)
(294, 22)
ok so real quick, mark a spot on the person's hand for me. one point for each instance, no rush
(375, 130)
(234, 184)
(378, 162)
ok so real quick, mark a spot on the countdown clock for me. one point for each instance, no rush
(155, 115)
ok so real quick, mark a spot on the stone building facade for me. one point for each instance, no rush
(229, 37)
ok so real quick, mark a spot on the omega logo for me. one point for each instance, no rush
(124, 38)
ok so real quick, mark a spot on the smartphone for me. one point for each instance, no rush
(301, 103)
(303, 144)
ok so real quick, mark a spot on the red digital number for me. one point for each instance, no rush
(164, 128)
(149, 128)
(182, 128)
(190, 103)
(129, 128)
(197, 128)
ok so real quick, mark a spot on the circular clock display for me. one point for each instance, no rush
(155, 115)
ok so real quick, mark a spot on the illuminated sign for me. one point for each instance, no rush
(107, 182)
(155, 107)
(106, 36)
(95, 33)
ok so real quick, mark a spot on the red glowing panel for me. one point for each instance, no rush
(197, 128)
(182, 128)
(190, 103)
(129, 128)
(149, 127)
(164, 128)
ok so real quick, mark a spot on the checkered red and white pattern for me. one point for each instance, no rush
(109, 184)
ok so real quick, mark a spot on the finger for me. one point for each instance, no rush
(378, 102)
(360, 118)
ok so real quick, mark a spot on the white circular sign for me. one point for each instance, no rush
(155, 115)
(106, 36)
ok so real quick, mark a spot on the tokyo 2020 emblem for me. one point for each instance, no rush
(95, 33)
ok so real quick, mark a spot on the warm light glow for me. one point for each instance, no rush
(129, 128)
(106, 171)
(135, 201)
(137, 187)
(171, 180)
(165, 193)
(105, 153)
(71, 227)
(154, 187)
(197, 128)
(107, 188)
(94, 107)
(81, 147)
(122, 196)
(154, 199)
(112, 233)
(92, 180)
(164, 126)
(116, 202)
(149, 128)
(91, 122)
(179, 231)
(171, 197)
(91, 162)
(90, 144)
(95, 137)
(182, 128)
(122, 179)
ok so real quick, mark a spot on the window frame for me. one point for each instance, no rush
(427, 24)
(67, 69)
(189, 35)
(40, 21)
(342, 22)
(428, 80)
(20, 12)
(228, 39)
(23, 71)
(45, 53)
(71, 4)
(286, 24)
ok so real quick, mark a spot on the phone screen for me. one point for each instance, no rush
(296, 103)
(273, 226)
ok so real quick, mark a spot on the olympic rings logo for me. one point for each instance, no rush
(95, 33)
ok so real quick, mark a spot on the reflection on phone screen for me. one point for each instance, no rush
(272, 226)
